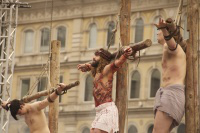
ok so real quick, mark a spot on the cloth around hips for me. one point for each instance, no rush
(171, 100)
(106, 118)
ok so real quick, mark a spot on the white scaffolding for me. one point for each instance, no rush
(8, 24)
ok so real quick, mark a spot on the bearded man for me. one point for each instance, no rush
(102, 69)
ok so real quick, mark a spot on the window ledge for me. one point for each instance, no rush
(135, 99)
(151, 98)
(92, 49)
(87, 102)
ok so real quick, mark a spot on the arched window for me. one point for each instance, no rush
(150, 129)
(135, 85)
(45, 39)
(86, 130)
(88, 88)
(110, 40)
(28, 41)
(61, 35)
(156, 20)
(185, 33)
(155, 82)
(132, 129)
(93, 36)
(181, 128)
(139, 30)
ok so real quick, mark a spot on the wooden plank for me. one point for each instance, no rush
(135, 47)
(192, 116)
(121, 87)
(30, 98)
(54, 80)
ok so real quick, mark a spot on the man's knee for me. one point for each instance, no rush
(162, 122)
(160, 129)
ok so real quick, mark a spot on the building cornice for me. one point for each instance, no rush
(20, 67)
(41, 12)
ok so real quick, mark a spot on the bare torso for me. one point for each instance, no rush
(36, 121)
(102, 91)
(173, 66)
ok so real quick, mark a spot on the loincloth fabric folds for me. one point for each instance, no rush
(171, 100)
(106, 117)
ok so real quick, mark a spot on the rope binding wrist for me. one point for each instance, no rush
(162, 28)
(50, 100)
(57, 93)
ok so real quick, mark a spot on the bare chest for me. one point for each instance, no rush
(168, 60)
(172, 64)
(30, 119)
(34, 118)
(102, 82)
(102, 89)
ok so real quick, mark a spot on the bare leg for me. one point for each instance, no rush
(91, 130)
(162, 123)
(95, 130)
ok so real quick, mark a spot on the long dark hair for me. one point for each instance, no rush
(15, 105)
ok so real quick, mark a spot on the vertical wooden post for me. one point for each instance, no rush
(121, 89)
(192, 122)
(54, 79)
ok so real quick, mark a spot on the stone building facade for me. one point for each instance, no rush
(83, 26)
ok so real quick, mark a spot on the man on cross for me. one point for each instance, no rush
(170, 98)
(33, 112)
(102, 69)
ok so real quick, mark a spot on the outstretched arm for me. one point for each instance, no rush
(5, 104)
(50, 99)
(169, 40)
(127, 52)
(84, 67)
(113, 67)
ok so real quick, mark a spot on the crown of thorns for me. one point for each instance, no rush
(105, 54)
